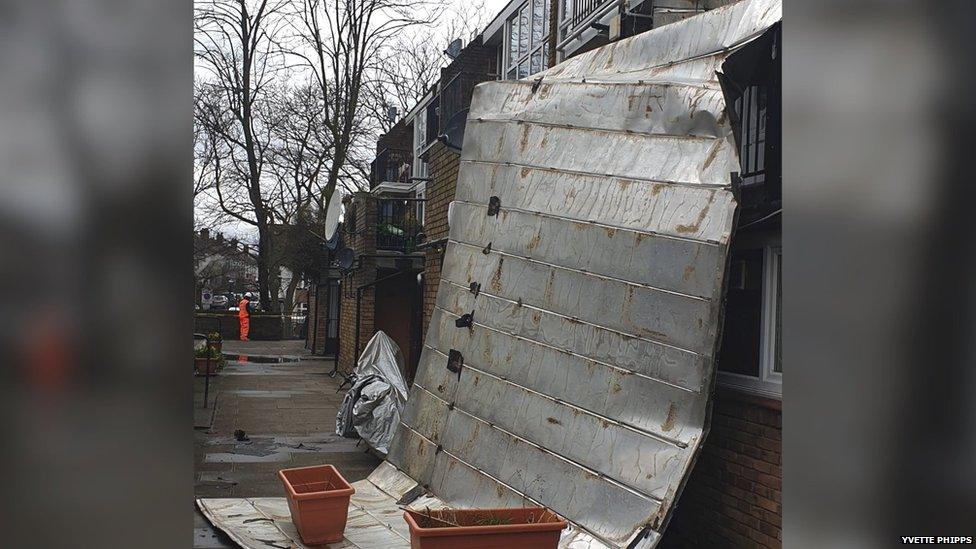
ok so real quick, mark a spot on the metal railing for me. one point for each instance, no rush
(583, 9)
(390, 165)
(397, 224)
(456, 94)
(584, 12)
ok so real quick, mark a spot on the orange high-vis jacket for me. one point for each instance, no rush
(242, 306)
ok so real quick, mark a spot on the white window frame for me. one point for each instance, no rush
(419, 143)
(420, 191)
(506, 50)
(768, 383)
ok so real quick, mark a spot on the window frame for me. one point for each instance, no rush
(752, 108)
(420, 192)
(768, 383)
(512, 24)
(419, 145)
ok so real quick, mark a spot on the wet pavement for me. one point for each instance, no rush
(286, 404)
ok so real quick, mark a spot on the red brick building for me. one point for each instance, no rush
(475, 64)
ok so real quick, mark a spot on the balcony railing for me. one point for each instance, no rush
(456, 96)
(397, 224)
(391, 165)
(577, 16)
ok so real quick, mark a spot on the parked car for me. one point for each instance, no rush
(219, 302)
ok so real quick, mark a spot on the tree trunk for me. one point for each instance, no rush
(290, 293)
(274, 288)
(264, 266)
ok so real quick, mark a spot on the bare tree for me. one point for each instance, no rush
(206, 164)
(339, 42)
(402, 75)
(465, 21)
(274, 140)
(409, 65)
(300, 149)
(235, 43)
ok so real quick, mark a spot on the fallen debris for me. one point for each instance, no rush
(371, 408)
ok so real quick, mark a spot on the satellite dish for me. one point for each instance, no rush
(346, 258)
(453, 135)
(454, 48)
(332, 216)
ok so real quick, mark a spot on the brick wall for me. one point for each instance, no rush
(362, 241)
(443, 166)
(475, 57)
(321, 321)
(312, 312)
(318, 318)
(399, 137)
(734, 494)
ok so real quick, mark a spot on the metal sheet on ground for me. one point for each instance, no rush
(375, 517)
(588, 242)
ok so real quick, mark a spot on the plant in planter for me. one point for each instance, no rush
(200, 360)
(318, 498)
(216, 341)
(516, 528)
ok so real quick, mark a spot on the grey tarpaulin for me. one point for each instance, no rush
(373, 404)
(594, 210)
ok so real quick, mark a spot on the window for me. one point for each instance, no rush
(419, 144)
(751, 108)
(751, 355)
(752, 81)
(527, 32)
(420, 191)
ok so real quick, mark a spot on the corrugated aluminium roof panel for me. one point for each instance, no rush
(595, 313)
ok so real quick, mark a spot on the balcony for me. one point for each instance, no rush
(398, 227)
(390, 166)
(455, 100)
(577, 15)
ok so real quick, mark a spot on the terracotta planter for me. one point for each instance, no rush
(530, 527)
(318, 498)
(200, 366)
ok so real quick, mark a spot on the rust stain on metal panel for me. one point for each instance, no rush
(496, 279)
(712, 154)
(669, 421)
(547, 294)
(693, 227)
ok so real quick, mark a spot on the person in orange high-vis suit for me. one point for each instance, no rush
(244, 315)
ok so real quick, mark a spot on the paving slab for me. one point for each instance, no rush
(287, 411)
